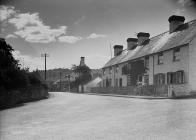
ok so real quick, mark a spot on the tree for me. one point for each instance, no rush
(6, 58)
(84, 75)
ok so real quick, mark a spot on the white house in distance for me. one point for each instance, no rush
(96, 82)
(166, 59)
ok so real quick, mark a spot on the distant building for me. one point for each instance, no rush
(96, 82)
(165, 59)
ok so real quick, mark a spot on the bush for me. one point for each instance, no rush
(18, 85)
(14, 79)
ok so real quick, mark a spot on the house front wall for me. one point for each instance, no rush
(154, 68)
(113, 75)
(169, 65)
(192, 64)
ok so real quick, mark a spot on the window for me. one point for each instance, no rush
(125, 70)
(139, 78)
(110, 71)
(117, 69)
(159, 79)
(120, 82)
(160, 59)
(107, 83)
(147, 63)
(180, 77)
(176, 54)
(116, 82)
(104, 83)
(175, 77)
(146, 79)
(110, 82)
(103, 71)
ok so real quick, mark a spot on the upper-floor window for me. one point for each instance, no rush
(176, 54)
(160, 58)
(103, 71)
(147, 62)
(125, 69)
(117, 69)
(110, 70)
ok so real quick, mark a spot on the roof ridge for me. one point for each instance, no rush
(194, 20)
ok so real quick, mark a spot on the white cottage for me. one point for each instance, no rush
(165, 59)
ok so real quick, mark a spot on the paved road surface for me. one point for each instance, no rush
(67, 116)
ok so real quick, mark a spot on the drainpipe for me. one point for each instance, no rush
(114, 75)
(153, 74)
(153, 69)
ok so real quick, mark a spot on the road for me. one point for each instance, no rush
(66, 116)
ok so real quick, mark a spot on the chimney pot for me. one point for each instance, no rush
(82, 61)
(142, 37)
(131, 43)
(174, 22)
(118, 49)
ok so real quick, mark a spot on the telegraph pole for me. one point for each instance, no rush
(45, 55)
(60, 81)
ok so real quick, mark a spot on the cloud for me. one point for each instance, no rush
(32, 29)
(40, 34)
(69, 39)
(94, 36)
(6, 12)
(11, 36)
(32, 63)
(186, 2)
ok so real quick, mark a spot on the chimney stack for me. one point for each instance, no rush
(142, 37)
(174, 22)
(118, 49)
(82, 63)
(131, 43)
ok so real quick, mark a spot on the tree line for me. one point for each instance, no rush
(18, 85)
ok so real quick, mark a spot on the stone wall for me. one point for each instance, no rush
(179, 90)
(150, 90)
(133, 90)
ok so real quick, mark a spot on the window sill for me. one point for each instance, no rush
(176, 60)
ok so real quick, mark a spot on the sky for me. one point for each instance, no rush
(69, 29)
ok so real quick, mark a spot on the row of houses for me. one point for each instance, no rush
(166, 59)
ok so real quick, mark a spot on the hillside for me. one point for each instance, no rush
(54, 74)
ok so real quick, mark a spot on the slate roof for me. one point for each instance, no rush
(159, 43)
